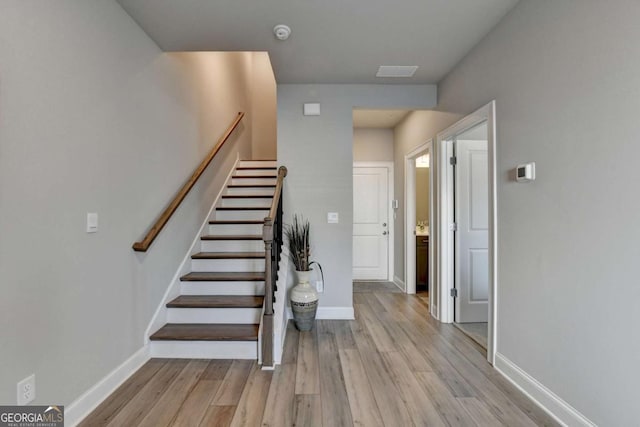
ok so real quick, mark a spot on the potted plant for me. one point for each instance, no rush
(304, 298)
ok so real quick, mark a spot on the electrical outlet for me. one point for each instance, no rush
(319, 286)
(27, 390)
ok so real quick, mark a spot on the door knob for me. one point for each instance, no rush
(384, 224)
(384, 233)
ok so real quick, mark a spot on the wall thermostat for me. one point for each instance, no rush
(526, 172)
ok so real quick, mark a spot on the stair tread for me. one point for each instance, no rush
(206, 332)
(243, 208)
(232, 237)
(215, 276)
(247, 196)
(236, 221)
(256, 168)
(251, 185)
(228, 255)
(216, 301)
(254, 176)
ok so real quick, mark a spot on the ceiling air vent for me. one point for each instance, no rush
(396, 70)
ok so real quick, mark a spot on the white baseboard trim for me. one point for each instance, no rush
(83, 405)
(329, 313)
(400, 283)
(551, 403)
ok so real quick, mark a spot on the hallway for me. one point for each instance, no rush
(392, 366)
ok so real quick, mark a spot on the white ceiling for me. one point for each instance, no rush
(381, 119)
(332, 41)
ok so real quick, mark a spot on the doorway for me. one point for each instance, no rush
(471, 241)
(372, 227)
(466, 226)
(417, 209)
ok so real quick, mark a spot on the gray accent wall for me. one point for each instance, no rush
(95, 118)
(318, 151)
(566, 79)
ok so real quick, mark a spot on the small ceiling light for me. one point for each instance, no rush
(282, 31)
(422, 161)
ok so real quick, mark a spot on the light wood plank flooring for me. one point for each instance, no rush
(393, 366)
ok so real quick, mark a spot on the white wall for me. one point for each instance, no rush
(566, 79)
(95, 118)
(263, 108)
(372, 145)
(318, 151)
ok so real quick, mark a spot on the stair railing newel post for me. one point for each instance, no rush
(267, 324)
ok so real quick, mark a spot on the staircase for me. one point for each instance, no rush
(218, 312)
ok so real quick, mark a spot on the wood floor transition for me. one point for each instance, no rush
(393, 366)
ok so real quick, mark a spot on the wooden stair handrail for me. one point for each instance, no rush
(162, 220)
(282, 173)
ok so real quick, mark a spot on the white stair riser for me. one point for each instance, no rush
(256, 172)
(268, 191)
(214, 315)
(205, 349)
(261, 202)
(257, 163)
(235, 229)
(233, 214)
(221, 288)
(253, 181)
(228, 265)
(232, 245)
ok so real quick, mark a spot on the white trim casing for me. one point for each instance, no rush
(390, 183)
(280, 317)
(444, 234)
(551, 403)
(399, 283)
(87, 402)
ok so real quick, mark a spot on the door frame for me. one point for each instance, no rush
(410, 217)
(390, 218)
(445, 218)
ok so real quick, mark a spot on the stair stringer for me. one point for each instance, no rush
(160, 317)
(280, 317)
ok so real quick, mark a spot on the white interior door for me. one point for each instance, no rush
(370, 223)
(472, 236)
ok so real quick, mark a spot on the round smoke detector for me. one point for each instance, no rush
(282, 32)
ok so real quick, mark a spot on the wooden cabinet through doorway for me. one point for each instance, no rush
(422, 262)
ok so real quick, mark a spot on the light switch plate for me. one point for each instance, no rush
(92, 222)
(333, 218)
